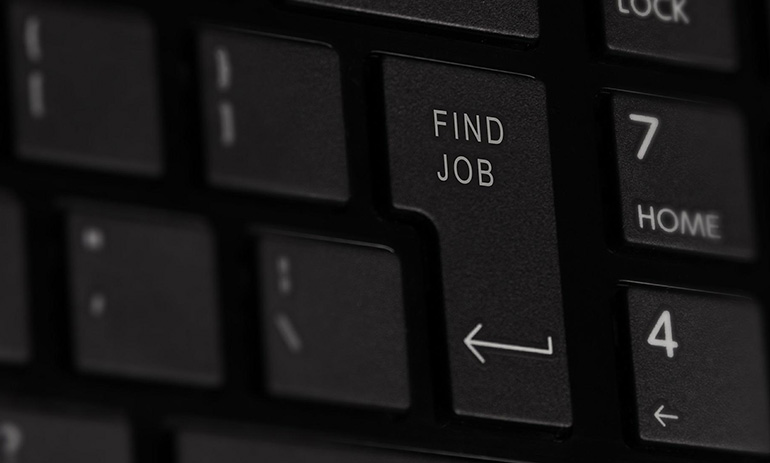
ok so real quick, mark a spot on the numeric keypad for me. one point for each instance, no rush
(699, 369)
(683, 176)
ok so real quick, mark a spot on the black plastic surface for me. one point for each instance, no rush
(570, 59)
(700, 369)
(34, 437)
(85, 87)
(333, 321)
(143, 296)
(14, 329)
(701, 33)
(683, 175)
(199, 447)
(469, 149)
(506, 17)
(273, 115)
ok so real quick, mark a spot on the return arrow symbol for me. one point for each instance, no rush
(471, 343)
(661, 416)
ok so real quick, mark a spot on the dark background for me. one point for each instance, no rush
(570, 59)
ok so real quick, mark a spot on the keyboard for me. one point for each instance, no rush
(384, 231)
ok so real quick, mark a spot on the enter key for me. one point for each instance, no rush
(469, 149)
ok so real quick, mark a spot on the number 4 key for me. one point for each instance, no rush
(667, 340)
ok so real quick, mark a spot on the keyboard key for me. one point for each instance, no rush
(683, 176)
(27, 437)
(690, 32)
(700, 369)
(517, 18)
(469, 149)
(273, 115)
(13, 290)
(143, 296)
(198, 447)
(333, 317)
(85, 91)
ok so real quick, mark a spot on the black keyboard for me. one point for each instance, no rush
(384, 231)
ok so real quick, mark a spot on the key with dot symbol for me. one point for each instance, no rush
(144, 297)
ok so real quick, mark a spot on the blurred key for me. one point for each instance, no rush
(505, 17)
(85, 88)
(333, 316)
(273, 115)
(31, 437)
(701, 33)
(144, 297)
(13, 291)
(684, 176)
(198, 447)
